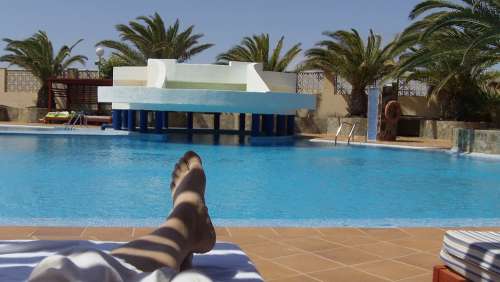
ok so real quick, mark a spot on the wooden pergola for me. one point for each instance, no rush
(76, 92)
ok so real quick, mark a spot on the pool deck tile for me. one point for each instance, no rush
(271, 270)
(311, 244)
(307, 263)
(422, 260)
(271, 250)
(425, 233)
(351, 241)
(391, 270)
(58, 231)
(419, 278)
(299, 278)
(252, 231)
(347, 274)
(425, 245)
(340, 232)
(385, 233)
(296, 232)
(386, 250)
(108, 234)
(9, 233)
(301, 254)
(348, 256)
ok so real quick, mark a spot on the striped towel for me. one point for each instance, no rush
(474, 254)
(226, 262)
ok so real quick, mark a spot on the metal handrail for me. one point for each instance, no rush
(353, 126)
(351, 133)
(79, 117)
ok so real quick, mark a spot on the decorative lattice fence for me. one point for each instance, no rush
(412, 88)
(25, 81)
(310, 82)
(21, 81)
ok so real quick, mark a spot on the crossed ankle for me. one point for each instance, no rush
(189, 197)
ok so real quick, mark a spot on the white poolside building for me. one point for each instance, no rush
(243, 88)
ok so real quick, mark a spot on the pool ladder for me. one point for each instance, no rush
(353, 126)
(79, 118)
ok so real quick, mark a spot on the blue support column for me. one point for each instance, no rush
(373, 114)
(143, 121)
(125, 119)
(280, 125)
(165, 120)
(158, 121)
(255, 125)
(190, 124)
(268, 124)
(131, 120)
(290, 125)
(216, 128)
(241, 129)
(216, 123)
(117, 119)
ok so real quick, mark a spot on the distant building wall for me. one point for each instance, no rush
(419, 106)
(333, 95)
(15, 97)
(331, 103)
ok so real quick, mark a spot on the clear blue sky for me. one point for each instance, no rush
(224, 22)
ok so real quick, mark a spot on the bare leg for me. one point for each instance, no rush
(190, 159)
(187, 230)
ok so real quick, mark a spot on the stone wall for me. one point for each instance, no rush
(476, 141)
(27, 115)
(440, 129)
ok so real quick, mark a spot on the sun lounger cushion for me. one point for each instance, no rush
(474, 254)
(63, 114)
(226, 262)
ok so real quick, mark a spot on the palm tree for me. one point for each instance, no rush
(452, 49)
(478, 17)
(147, 38)
(359, 63)
(36, 54)
(256, 49)
(456, 81)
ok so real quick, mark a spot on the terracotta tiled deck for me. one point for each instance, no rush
(301, 254)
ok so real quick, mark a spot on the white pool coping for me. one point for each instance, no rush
(318, 140)
(406, 147)
(28, 126)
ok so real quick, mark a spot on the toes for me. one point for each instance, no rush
(192, 155)
(189, 161)
(183, 167)
(192, 159)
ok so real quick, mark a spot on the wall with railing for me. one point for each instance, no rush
(18, 88)
(333, 94)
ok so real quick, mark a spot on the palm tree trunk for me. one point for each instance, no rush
(43, 97)
(357, 104)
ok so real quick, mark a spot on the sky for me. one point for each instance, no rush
(223, 22)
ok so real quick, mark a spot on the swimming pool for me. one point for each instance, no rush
(113, 181)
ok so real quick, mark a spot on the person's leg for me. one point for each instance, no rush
(187, 230)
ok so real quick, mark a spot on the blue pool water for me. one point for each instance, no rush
(84, 180)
